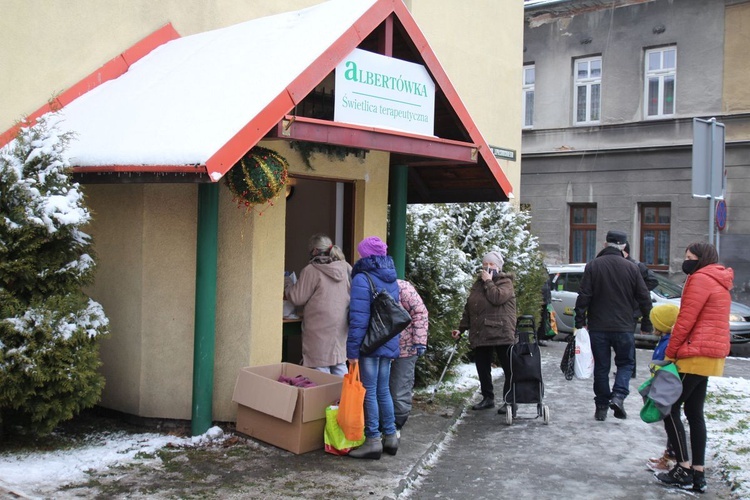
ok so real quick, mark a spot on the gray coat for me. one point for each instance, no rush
(323, 292)
(490, 312)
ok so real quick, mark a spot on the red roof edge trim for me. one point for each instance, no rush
(342, 47)
(109, 71)
(166, 169)
(225, 158)
(384, 131)
(442, 80)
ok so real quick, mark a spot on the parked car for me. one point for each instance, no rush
(565, 281)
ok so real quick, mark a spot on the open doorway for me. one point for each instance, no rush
(314, 206)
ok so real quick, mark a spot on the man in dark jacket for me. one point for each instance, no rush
(648, 277)
(611, 289)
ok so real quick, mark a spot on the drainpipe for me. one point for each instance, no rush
(205, 307)
(397, 179)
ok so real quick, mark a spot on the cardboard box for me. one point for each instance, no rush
(280, 414)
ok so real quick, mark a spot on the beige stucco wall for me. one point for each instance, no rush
(736, 98)
(145, 234)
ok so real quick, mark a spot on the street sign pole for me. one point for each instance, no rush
(708, 168)
(711, 202)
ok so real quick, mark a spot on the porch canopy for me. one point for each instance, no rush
(174, 109)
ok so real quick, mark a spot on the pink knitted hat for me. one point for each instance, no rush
(371, 246)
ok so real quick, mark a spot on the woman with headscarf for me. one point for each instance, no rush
(490, 317)
(323, 291)
(375, 368)
(699, 345)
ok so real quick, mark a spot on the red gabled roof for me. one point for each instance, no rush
(477, 177)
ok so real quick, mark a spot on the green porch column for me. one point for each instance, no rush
(205, 307)
(397, 231)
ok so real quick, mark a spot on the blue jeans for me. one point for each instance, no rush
(602, 345)
(375, 374)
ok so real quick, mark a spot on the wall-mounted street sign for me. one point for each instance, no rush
(384, 92)
(503, 153)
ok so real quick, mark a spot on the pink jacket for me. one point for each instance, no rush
(702, 327)
(416, 332)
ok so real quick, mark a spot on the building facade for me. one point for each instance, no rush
(610, 91)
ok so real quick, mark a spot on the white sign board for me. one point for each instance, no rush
(383, 92)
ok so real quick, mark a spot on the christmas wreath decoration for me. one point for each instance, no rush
(257, 178)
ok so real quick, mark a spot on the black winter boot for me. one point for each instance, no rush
(699, 481)
(485, 404)
(601, 412)
(371, 448)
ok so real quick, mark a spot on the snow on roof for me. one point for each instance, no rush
(182, 102)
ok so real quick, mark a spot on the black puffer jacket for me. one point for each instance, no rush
(490, 312)
(611, 289)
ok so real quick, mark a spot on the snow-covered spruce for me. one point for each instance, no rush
(49, 329)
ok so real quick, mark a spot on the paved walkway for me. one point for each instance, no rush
(446, 452)
(574, 456)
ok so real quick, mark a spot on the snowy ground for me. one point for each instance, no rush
(727, 412)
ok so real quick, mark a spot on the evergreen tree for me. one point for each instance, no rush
(49, 329)
(435, 266)
(445, 244)
(483, 227)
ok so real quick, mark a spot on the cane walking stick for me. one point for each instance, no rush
(453, 351)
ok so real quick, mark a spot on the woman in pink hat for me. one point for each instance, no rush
(374, 368)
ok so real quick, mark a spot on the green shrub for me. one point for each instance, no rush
(49, 328)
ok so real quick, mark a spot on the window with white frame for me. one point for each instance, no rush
(660, 79)
(528, 95)
(588, 90)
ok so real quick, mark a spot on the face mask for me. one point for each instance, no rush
(688, 266)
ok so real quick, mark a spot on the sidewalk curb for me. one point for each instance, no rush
(411, 477)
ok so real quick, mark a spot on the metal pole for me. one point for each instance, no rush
(205, 307)
(711, 203)
(397, 234)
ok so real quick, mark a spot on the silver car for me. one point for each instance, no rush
(565, 281)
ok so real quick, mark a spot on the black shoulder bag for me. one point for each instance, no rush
(387, 319)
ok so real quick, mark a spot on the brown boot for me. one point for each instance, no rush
(371, 448)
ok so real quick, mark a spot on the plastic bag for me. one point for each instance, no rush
(660, 391)
(567, 365)
(584, 358)
(334, 438)
(552, 321)
(351, 415)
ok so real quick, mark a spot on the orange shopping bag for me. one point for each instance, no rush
(351, 417)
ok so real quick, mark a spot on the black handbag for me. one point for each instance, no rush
(387, 319)
(567, 365)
